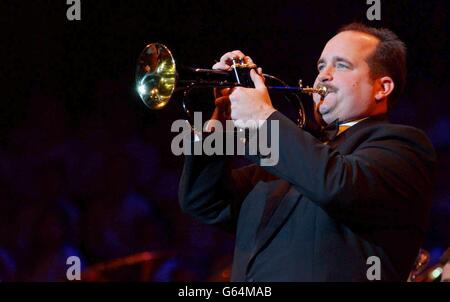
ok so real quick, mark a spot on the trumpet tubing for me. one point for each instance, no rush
(158, 77)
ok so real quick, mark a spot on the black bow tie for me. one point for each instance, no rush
(330, 131)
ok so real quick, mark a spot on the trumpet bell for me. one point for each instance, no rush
(155, 75)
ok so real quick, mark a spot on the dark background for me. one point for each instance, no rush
(86, 169)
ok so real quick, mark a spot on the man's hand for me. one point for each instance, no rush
(243, 105)
(222, 111)
(250, 107)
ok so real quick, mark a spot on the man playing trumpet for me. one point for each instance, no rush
(352, 208)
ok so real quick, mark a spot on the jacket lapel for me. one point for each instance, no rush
(287, 198)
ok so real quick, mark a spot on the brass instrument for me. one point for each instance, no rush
(158, 77)
(420, 265)
(424, 272)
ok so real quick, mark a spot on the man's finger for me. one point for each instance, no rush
(257, 80)
(219, 92)
(260, 72)
(229, 56)
(239, 54)
(222, 102)
(221, 66)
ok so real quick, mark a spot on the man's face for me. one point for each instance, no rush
(343, 69)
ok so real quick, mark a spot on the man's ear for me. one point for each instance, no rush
(385, 87)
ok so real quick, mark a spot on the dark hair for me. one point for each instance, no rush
(389, 58)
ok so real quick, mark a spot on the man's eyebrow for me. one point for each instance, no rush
(341, 59)
(336, 59)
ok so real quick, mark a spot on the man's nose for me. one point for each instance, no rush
(326, 75)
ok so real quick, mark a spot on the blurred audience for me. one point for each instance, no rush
(103, 186)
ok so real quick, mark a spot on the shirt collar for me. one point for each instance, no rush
(343, 127)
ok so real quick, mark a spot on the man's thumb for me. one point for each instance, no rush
(257, 79)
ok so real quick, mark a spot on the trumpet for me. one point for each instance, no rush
(158, 78)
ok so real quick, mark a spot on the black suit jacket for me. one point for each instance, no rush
(366, 193)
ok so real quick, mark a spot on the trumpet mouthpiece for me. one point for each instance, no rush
(321, 90)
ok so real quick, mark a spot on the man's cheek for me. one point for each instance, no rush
(331, 99)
